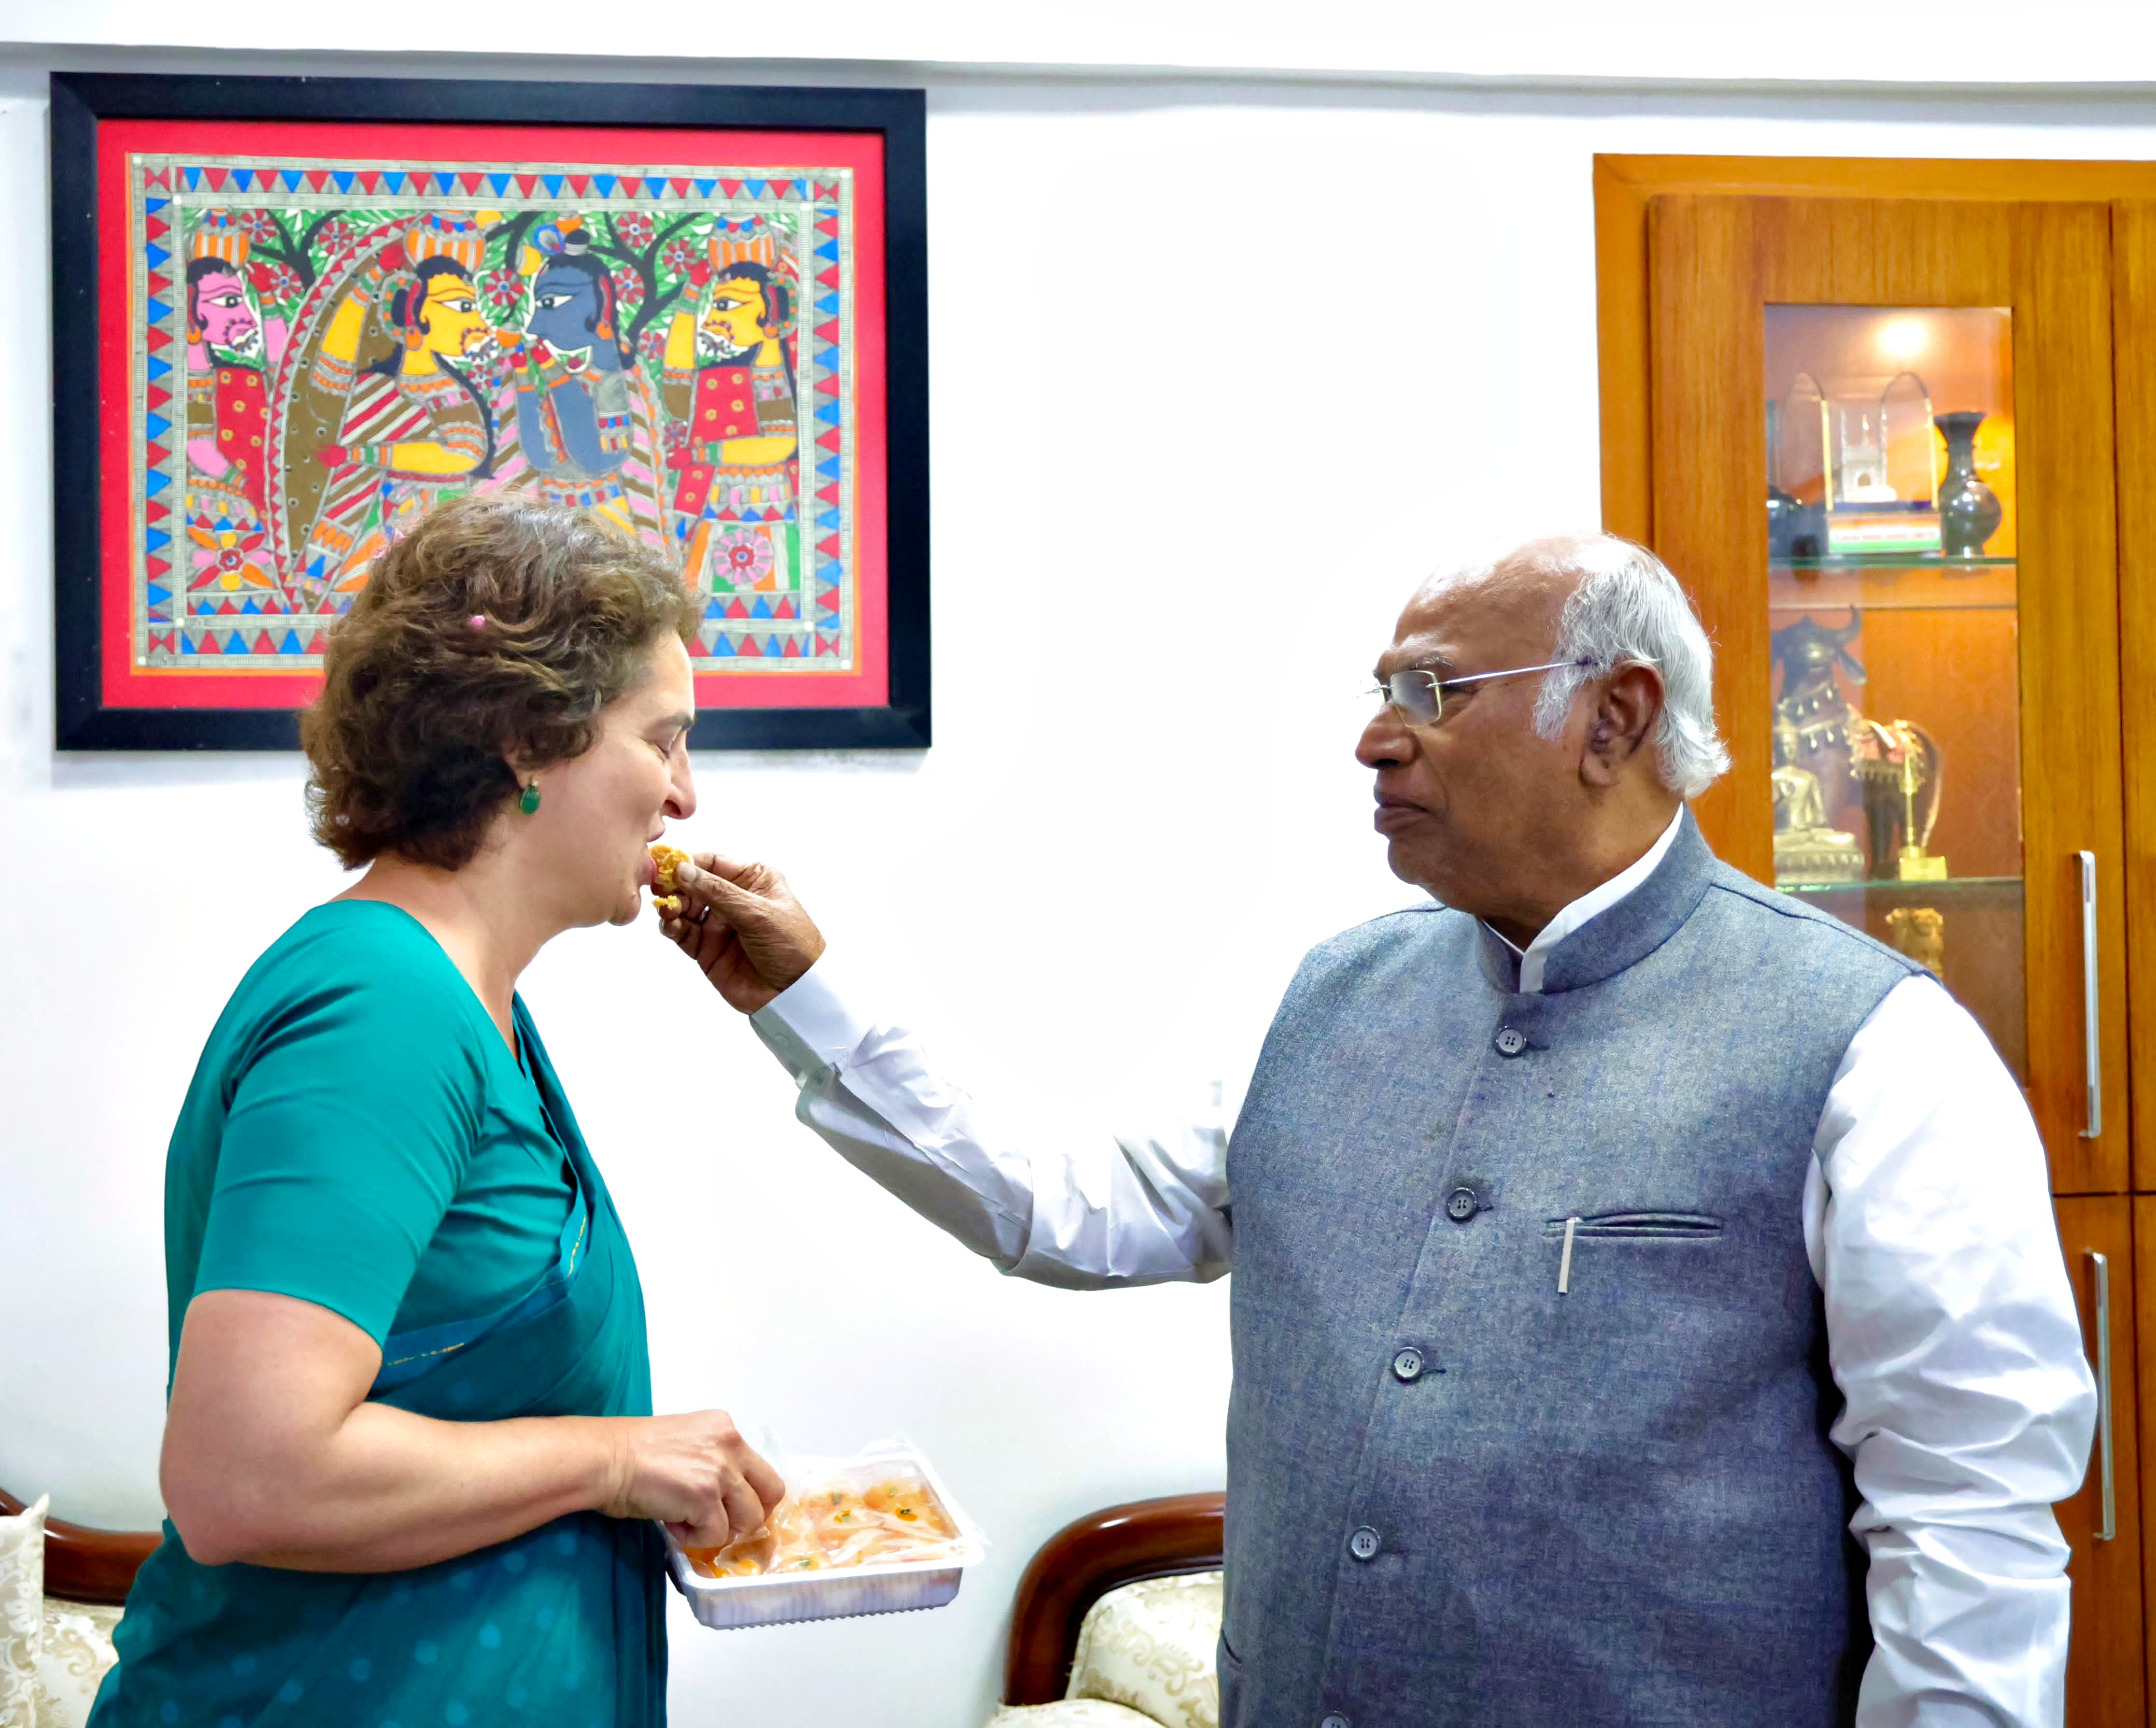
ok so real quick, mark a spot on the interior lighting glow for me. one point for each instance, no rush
(1903, 341)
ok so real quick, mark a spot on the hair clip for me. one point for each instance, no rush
(477, 621)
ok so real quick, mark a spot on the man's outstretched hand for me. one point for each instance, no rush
(753, 939)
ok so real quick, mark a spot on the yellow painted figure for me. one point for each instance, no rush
(729, 385)
(416, 422)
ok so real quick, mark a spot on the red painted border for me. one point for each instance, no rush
(124, 685)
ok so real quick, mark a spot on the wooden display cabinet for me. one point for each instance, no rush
(1886, 420)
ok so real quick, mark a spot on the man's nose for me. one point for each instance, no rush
(1385, 740)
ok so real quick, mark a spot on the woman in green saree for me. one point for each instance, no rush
(409, 1456)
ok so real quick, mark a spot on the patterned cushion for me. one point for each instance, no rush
(22, 1613)
(78, 1650)
(1072, 1713)
(1150, 1646)
(52, 1654)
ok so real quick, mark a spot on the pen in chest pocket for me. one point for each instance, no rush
(1564, 1265)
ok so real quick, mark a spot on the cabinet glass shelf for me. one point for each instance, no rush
(1903, 584)
(1951, 888)
(1893, 560)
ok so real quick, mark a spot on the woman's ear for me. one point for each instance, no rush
(1624, 718)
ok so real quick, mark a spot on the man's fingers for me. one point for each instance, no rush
(727, 899)
(741, 871)
(703, 943)
(710, 884)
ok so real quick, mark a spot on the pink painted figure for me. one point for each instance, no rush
(230, 350)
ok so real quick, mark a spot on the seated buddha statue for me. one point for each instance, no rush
(1806, 848)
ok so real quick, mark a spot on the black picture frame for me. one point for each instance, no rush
(82, 101)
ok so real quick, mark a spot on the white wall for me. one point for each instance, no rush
(1976, 42)
(1218, 370)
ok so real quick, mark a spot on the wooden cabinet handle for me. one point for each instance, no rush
(2108, 1528)
(2092, 1004)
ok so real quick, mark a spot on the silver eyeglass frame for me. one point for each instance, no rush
(1384, 691)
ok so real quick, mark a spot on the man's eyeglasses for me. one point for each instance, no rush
(1417, 695)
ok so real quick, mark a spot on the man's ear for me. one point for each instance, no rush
(1624, 720)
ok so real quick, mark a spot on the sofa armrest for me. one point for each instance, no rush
(84, 1563)
(1081, 1562)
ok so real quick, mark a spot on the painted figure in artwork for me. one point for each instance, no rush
(729, 386)
(229, 345)
(586, 420)
(406, 378)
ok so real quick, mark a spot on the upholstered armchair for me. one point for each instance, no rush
(61, 1586)
(1117, 1620)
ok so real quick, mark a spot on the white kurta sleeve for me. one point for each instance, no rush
(1953, 1334)
(1125, 1209)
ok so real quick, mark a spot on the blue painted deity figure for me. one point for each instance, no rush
(585, 417)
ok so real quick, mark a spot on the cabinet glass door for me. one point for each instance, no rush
(1893, 635)
(1883, 461)
(1923, 702)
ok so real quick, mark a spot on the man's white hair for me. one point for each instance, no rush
(1627, 609)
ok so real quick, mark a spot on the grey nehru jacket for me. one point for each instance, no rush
(1456, 1496)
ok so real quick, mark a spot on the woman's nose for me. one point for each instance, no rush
(681, 792)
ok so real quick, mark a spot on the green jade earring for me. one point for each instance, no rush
(529, 804)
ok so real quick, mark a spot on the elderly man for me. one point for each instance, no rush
(1610, 1237)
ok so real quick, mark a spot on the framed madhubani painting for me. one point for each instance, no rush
(291, 315)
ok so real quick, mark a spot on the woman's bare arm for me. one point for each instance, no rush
(273, 1456)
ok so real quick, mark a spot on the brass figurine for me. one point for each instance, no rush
(1814, 728)
(1807, 849)
(1899, 766)
(1921, 933)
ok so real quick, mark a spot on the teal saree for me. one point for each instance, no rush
(563, 1625)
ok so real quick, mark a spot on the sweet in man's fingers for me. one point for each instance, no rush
(666, 862)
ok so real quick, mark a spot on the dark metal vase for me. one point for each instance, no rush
(1793, 529)
(1969, 509)
(1782, 512)
(1882, 829)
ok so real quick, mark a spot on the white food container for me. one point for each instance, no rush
(775, 1599)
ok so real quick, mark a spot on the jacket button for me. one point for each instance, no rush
(1335, 1720)
(1459, 1205)
(1363, 1544)
(1510, 1041)
(1408, 1364)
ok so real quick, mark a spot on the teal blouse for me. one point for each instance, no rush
(359, 1134)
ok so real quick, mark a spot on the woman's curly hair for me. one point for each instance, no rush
(497, 629)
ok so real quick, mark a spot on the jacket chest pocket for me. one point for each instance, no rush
(1635, 1227)
(1627, 1232)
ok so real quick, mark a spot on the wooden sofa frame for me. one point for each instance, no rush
(1082, 1562)
(84, 1563)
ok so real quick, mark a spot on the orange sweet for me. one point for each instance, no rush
(667, 860)
(832, 1524)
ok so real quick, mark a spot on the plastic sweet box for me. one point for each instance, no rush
(775, 1599)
